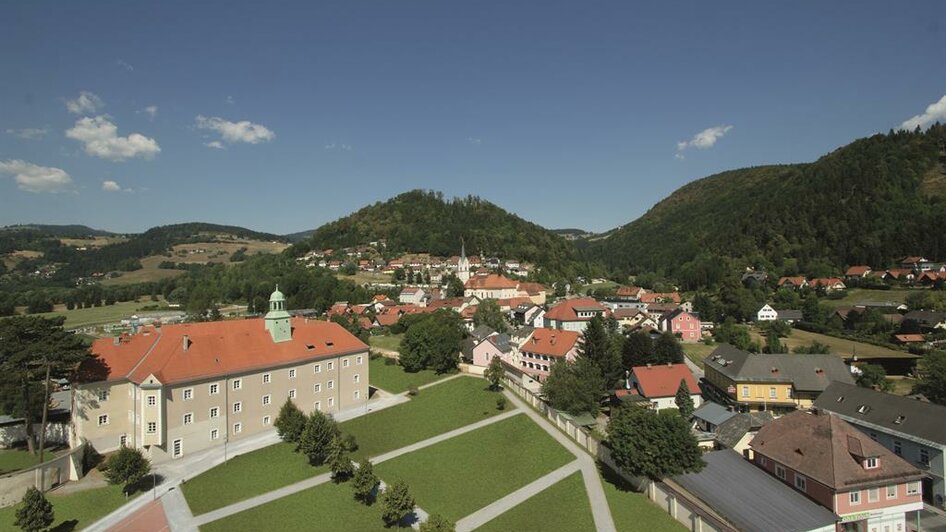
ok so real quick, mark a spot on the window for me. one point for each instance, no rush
(331, 385)
(924, 457)
(152, 427)
(318, 387)
(265, 420)
(873, 495)
(863, 409)
(178, 448)
(331, 366)
(356, 379)
(898, 447)
(188, 394)
(292, 373)
(317, 368)
(188, 418)
(237, 407)
(357, 395)
(103, 395)
(791, 393)
(122, 440)
(152, 400)
(745, 391)
(214, 389)
(103, 419)
(359, 359)
(215, 412)
(267, 377)
(870, 463)
(854, 497)
(892, 491)
(214, 434)
(237, 384)
(345, 363)
(331, 402)
(292, 394)
(913, 488)
(772, 393)
(237, 428)
(780, 471)
(801, 482)
(266, 399)
(318, 405)
(763, 461)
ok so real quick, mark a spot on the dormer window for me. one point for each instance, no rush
(899, 419)
(871, 463)
(840, 399)
(863, 409)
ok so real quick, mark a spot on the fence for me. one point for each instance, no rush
(47, 475)
(681, 505)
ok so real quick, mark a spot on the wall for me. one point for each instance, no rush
(49, 474)
(15, 433)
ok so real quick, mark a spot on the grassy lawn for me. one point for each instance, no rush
(633, 511)
(390, 342)
(598, 286)
(84, 317)
(433, 411)
(392, 378)
(563, 506)
(902, 385)
(461, 475)
(325, 507)
(855, 296)
(698, 351)
(19, 458)
(361, 277)
(246, 476)
(76, 510)
(839, 346)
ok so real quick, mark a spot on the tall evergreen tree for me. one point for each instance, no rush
(683, 400)
(667, 349)
(35, 512)
(597, 347)
(638, 350)
(339, 463)
(317, 436)
(290, 422)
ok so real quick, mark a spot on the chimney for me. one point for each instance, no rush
(552, 340)
(117, 340)
(186, 342)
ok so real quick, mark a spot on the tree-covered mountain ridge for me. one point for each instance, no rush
(870, 202)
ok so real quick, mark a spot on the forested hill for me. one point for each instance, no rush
(64, 231)
(422, 221)
(870, 202)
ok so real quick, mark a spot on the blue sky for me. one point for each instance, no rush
(283, 116)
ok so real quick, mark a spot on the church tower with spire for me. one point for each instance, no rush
(463, 265)
(277, 320)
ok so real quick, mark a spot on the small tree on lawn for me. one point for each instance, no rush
(316, 437)
(127, 467)
(396, 503)
(338, 460)
(494, 373)
(684, 401)
(364, 482)
(437, 523)
(290, 422)
(35, 512)
(649, 444)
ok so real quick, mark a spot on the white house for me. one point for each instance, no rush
(766, 313)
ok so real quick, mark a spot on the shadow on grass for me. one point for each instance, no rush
(612, 477)
(65, 526)
(146, 484)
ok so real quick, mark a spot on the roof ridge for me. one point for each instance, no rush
(141, 361)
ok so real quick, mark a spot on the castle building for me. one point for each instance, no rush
(179, 389)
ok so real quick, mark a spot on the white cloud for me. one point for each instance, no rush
(34, 178)
(111, 186)
(337, 146)
(934, 112)
(216, 144)
(703, 140)
(151, 111)
(231, 100)
(231, 132)
(125, 65)
(474, 141)
(85, 103)
(100, 137)
(30, 133)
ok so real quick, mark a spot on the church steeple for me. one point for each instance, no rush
(277, 320)
(463, 265)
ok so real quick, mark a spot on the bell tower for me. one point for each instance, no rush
(463, 265)
(277, 320)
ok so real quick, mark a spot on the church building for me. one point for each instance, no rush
(180, 389)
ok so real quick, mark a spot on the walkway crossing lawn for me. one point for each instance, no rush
(561, 507)
(76, 510)
(392, 377)
(461, 475)
(633, 511)
(247, 475)
(326, 507)
(433, 411)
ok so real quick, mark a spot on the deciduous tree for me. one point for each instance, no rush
(495, 372)
(575, 387)
(396, 503)
(35, 512)
(365, 482)
(649, 444)
(127, 467)
(316, 437)
(290, 422)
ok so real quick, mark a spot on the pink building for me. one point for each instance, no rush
(842, 469)
(544, 347)
(496, 345)
(682, 324)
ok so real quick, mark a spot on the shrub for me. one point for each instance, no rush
(500, 403)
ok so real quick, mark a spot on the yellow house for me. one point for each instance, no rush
(779, 382)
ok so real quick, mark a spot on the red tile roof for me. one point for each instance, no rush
(567, 310)
(857, 271)
(493, 281)
(664, 380)
(657, 297)
(219, 348)
(629, 291)
(551, 342)
(797, 281)
(533, 289)
(909, 338)
(826, 282)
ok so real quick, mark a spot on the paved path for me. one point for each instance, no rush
(491, 511)
(151, 517)
(176, 510)
(694, 369)
(589, 469)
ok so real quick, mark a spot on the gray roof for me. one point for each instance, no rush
(920, 419)
(789, 315)
(750, 498)
(714, 413)
(926, 317)
(482, 332)
(501, 341)
(735, 428)
(808, 373)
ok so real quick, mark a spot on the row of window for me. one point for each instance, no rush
(923, 455)
(854, 497)
(537, 357)
(152, 400)
(535, 366)
(773, 392)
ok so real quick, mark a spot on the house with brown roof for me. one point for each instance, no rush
(792, 283)
(830, 284)
(491, 286)
(543, 348)
(841, 468)
(412, 295)
(180, 389)
(658, 384)
(857, 272)
(573, 314)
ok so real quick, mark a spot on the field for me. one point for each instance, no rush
(563, 506)
(598, 286)
(463, 474)
(76, 510)
(697, 352)
(19, 458)
(389, 342)
(839, 346)
(855, 296)
(86, 317)
(392, 378)
(902, 385)
(361, 277)
(94, 242)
